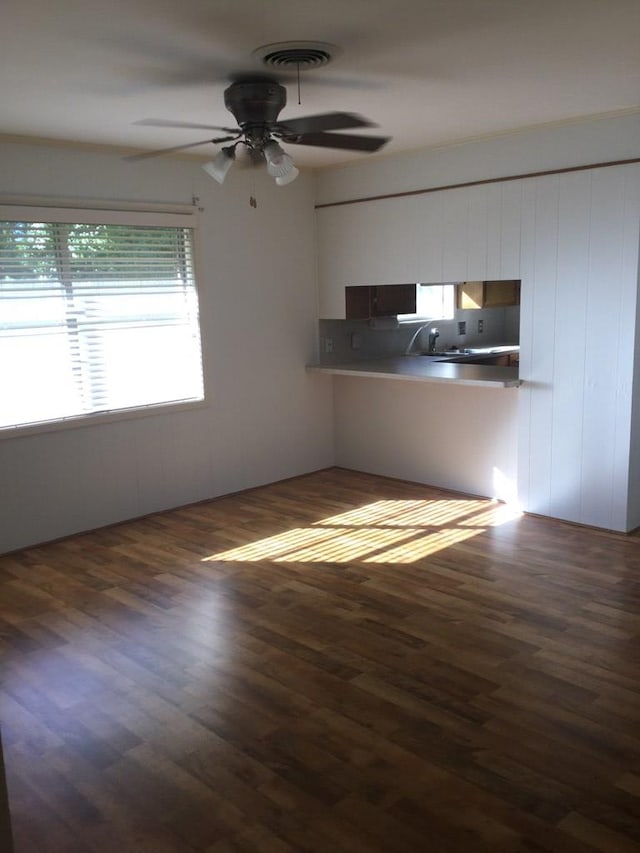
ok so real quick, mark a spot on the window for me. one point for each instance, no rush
(433, 302)
(95, 316)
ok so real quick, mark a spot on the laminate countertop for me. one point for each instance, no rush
(417, 368)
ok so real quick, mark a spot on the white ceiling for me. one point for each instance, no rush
(428, 72)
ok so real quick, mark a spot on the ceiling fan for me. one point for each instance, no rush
(256, 103)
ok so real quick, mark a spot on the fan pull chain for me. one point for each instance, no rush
(252, 198)
(298, 66)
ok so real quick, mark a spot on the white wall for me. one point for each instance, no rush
(573, 240)
(534, 150)
(454, 436)
(265, 418)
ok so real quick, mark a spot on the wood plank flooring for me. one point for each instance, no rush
(334, 663)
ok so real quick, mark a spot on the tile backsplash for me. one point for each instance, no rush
(357, 340)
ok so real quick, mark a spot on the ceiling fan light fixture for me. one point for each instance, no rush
(283, 180)
(221, 163)
(279, 163)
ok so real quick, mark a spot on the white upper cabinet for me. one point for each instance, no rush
(362, 244)
(426, 228)
(510, 230)
(455, 234)
(466, 234)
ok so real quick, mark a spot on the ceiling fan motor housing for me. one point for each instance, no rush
(255, 103)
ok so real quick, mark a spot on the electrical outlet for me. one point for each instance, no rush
(480, 325)
(356, 340)
(462, 327)
(328, 344)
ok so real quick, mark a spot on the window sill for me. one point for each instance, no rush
(99, 419)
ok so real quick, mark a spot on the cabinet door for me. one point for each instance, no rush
(390, 299)
(455, 214)
(488, 294)
(427, 229)
(385, 300)
(361, 245)
(357, 303)
(470, 295)
(501, 294)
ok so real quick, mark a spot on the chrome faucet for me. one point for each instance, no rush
(434, 334)
(409, 348)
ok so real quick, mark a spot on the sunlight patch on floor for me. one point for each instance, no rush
(347, 545)
(423, 546)
(492, 517)
(406, 513)
(388, 531)
(275, 546)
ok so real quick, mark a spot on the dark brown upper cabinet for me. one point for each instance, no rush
(381, 300)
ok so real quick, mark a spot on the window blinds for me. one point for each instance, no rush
(95, 317)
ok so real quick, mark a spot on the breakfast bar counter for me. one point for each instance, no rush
(421, 369)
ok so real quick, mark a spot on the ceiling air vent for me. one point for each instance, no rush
(296, 55)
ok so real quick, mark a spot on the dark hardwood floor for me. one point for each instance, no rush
(334, 663)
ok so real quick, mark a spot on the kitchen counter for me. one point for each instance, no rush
(417, 368)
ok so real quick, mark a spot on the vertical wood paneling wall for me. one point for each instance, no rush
(579, 266)
(573, 240)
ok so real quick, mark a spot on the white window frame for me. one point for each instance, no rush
(169, 216)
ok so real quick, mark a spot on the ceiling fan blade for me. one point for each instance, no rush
(132, 158)
(159, 122)
(323, 121)
(346, 141)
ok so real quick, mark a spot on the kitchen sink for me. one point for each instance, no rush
(471, 351)
(445, 353)
(493, 350)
